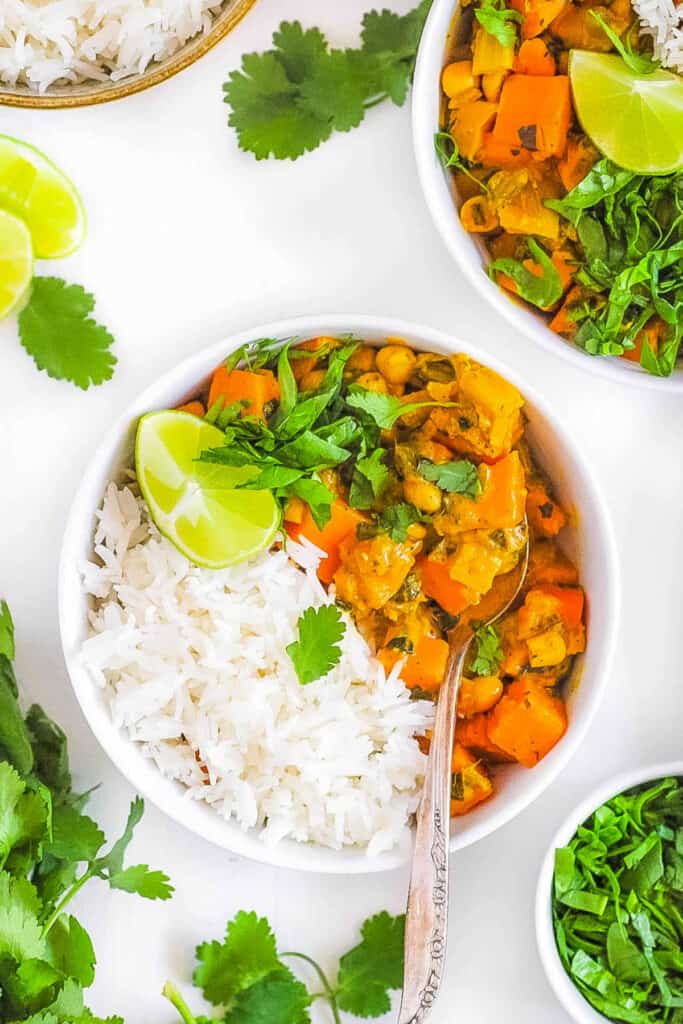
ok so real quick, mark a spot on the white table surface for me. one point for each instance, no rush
(190, 240)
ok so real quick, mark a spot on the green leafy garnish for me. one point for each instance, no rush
(448, 153)
(498, 20)
(395, 520)
(460, 477)
(49, 850)
(369, 480)
(630, 228)
(486, 652)
(317, 650)
(56, 329)
(288, 100)
(542, 290)
(617, 901)
(249, 981)
(383, 409)
(639, 63)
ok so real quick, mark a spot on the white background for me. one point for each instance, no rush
(189, 241)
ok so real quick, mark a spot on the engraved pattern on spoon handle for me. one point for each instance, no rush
(427, 912)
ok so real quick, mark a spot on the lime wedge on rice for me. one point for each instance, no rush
(635, 120)
(31, 187)
(195, 504)
(16, 262)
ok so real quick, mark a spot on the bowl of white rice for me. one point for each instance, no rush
(167, 659)
(73, 53)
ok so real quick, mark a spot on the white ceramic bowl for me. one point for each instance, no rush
(592, 544)
(565, 990)
(467, 251)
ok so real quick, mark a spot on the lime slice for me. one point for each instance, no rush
(31, 187)
(195, 504)
(635, 120)
(16, 262)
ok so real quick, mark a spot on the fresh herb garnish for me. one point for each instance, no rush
(630, 228)
(290, 99)
(542, 290)
(448, 153)
(394, 520)
(617, 905)
(49, 850)
(498, 20)
(317, 650)
(249, 981)
(460, 477)
(487, 652)
(639, 63)
(369, 480)
(56, 329)
(384, 409)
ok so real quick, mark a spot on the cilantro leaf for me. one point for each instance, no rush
(23, 814)
(487, 651)
(15, 739)
(542, 290)
(112, 862)
(152, 885)
(50, 752)
(20, 933)
(383, 409)
(392, 39)
(265, 114)
(317, 651)
(370, 478)
(29, 985)
(298, 51)
(396, 519)
(336, 89)
(459, 477)
(247, 956)
(71, 950)
(75, 836)
(56, 329)
(277, 999)
(6, 632)
(373, 967)
(498, 20)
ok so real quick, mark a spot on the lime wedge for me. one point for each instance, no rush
(635, 120)
(195, 504)
(16, 262)
(31, 187)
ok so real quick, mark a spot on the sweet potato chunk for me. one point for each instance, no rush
(527, 722)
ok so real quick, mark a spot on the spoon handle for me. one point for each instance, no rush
(427, 912)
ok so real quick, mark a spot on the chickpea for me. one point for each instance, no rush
(396, 363)
(362, 360)
(373, 382)
(422, 494)
(547, 649)
(312, 380)
(478, 695)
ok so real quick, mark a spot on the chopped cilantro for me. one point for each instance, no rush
(56, 329)
(498, 20)
(317, 650)
(487, 651)
(460, 477)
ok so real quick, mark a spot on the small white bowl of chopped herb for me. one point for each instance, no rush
(549, 144)
(609, 904)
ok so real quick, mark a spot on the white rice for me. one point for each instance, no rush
(43, 42)
(194, 667)
(662, 21)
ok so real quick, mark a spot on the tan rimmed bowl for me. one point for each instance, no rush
(87, 94)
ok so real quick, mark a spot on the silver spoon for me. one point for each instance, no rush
(427, 911)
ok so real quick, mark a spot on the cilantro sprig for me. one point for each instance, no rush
(500, 21)
(487, 653)
(288, 100)
(251, 982)
(49, 850)
(57, 330)
(317, 651)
